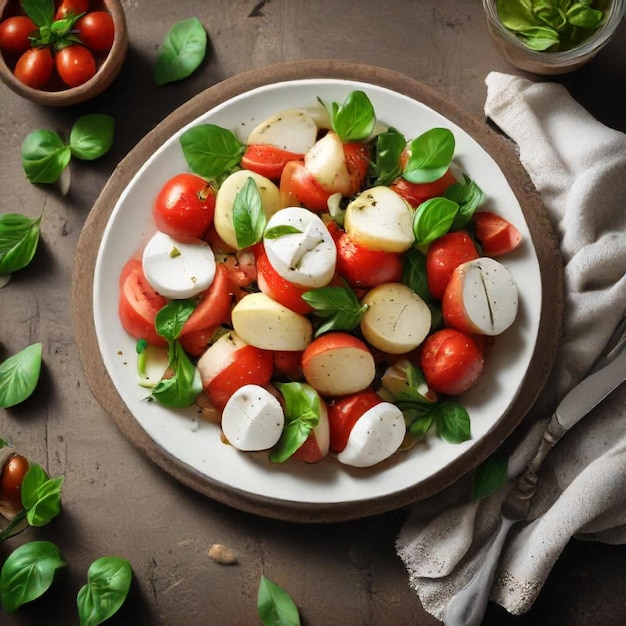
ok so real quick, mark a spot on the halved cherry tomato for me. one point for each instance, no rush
(496, 235)
(69, 8)
(75, 65)
(416, 193)
(444, 255)
(138, 304)
(299, 188)
(357, 161)
(14, 32)
(34, 67)
(272, 284)
(11, 479)
(269, 161)
(185, 206)
(362, 267)
(96, 30)
(451, 361)
(344, 412)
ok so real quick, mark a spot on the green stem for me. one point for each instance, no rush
(10, 530)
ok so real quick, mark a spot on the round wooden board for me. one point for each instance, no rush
(499, 149)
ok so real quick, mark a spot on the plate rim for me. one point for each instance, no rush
(499, 148)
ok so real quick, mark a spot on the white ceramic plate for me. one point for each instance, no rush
(196, 444)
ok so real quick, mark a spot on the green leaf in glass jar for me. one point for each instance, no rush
(248, 216)
(92, 136)
(108, 584)
(40, 11)
(19, 237)
(19, 375)
(433, 218)
(582, 15)
(44, 156)
(539, 38)
(27, 573)
(275, 606)
(353, 120)
(429, 156)
(182, 52)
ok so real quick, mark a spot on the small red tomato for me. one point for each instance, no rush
(96, 30)
(416, 193)
(269, 161)
(14, 32)
(299, 188)
(69, 8)
(357, 156)
(34, 67)
(11, 479)
(496, 235)
(75, 65)
(451, 361)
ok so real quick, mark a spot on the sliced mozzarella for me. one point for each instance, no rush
(225, 198)
(481, 297)
(264, 323)
(326, 162)
(376, 435)
(178, 269)
(252, 419)
(397, 320)
(307, 257)
(293, 130)
(380, 219)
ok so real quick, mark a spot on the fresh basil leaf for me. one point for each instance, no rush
(19, 237)
(211, 151)
(386, 164)
(275, 606)
(44, 156)
(108, 584)
(489, 477)
(353, 120)
(552, 16)
(433, 219)
(248, 217)
(40, 11)
(169, 320)
(278, 231)
(182, 52)
(92, 136)
(419, 421)
(539, 38)
(452, 422)
(19, 375)
(183, 386)
(339, 306)
(34, 478)
(515, 15)
(469, 196)
(584, 16)
(414, 274)
(47, 503)
(27, 573)
(429, 156)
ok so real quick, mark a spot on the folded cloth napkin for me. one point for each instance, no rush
(578, 166)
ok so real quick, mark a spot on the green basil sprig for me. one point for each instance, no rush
(108, 583)
(429, 155)
(275, 606)
(19, 375)
(45, 154)
(27, 573)
(388, 148)
(433, 218)
(338, 306)
(468, 196)
(248, 216)
(182, 52)
(19, 237)
(353, 120)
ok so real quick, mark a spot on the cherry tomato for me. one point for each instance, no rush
(185, 207)
(75, 65)
(34, 67)
(289, 363)
(444, 256)
(138, 304)
(14, 32)
(496, 235)
(416, 193)
(357, 157)
(11, 479)
(69, 8)
(344, 412)
(451, 361)
(299, 188)
(362, 267)
(269, 161)
(96, 30)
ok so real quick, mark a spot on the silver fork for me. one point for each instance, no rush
(467, 607)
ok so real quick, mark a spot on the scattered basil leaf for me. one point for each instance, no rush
(275, 606)
(433, 218)
(385, 167)
(211, 151)
(169, 320)
(108, 584)
(19, 237)
(19, 375)
(429, 156)
(41, 495)
(40, 11)
(27, 573)
(339, 306)
(182, 52)
(353, 120)
(44, 156)
(92, 136)
(469, 196)
(248, 217)
(452, 422)
(489, 477)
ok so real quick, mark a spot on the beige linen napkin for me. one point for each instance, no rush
(579, 167)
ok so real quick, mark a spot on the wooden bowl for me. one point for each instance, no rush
(104, 76)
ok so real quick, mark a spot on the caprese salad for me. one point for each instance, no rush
(325, 287)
